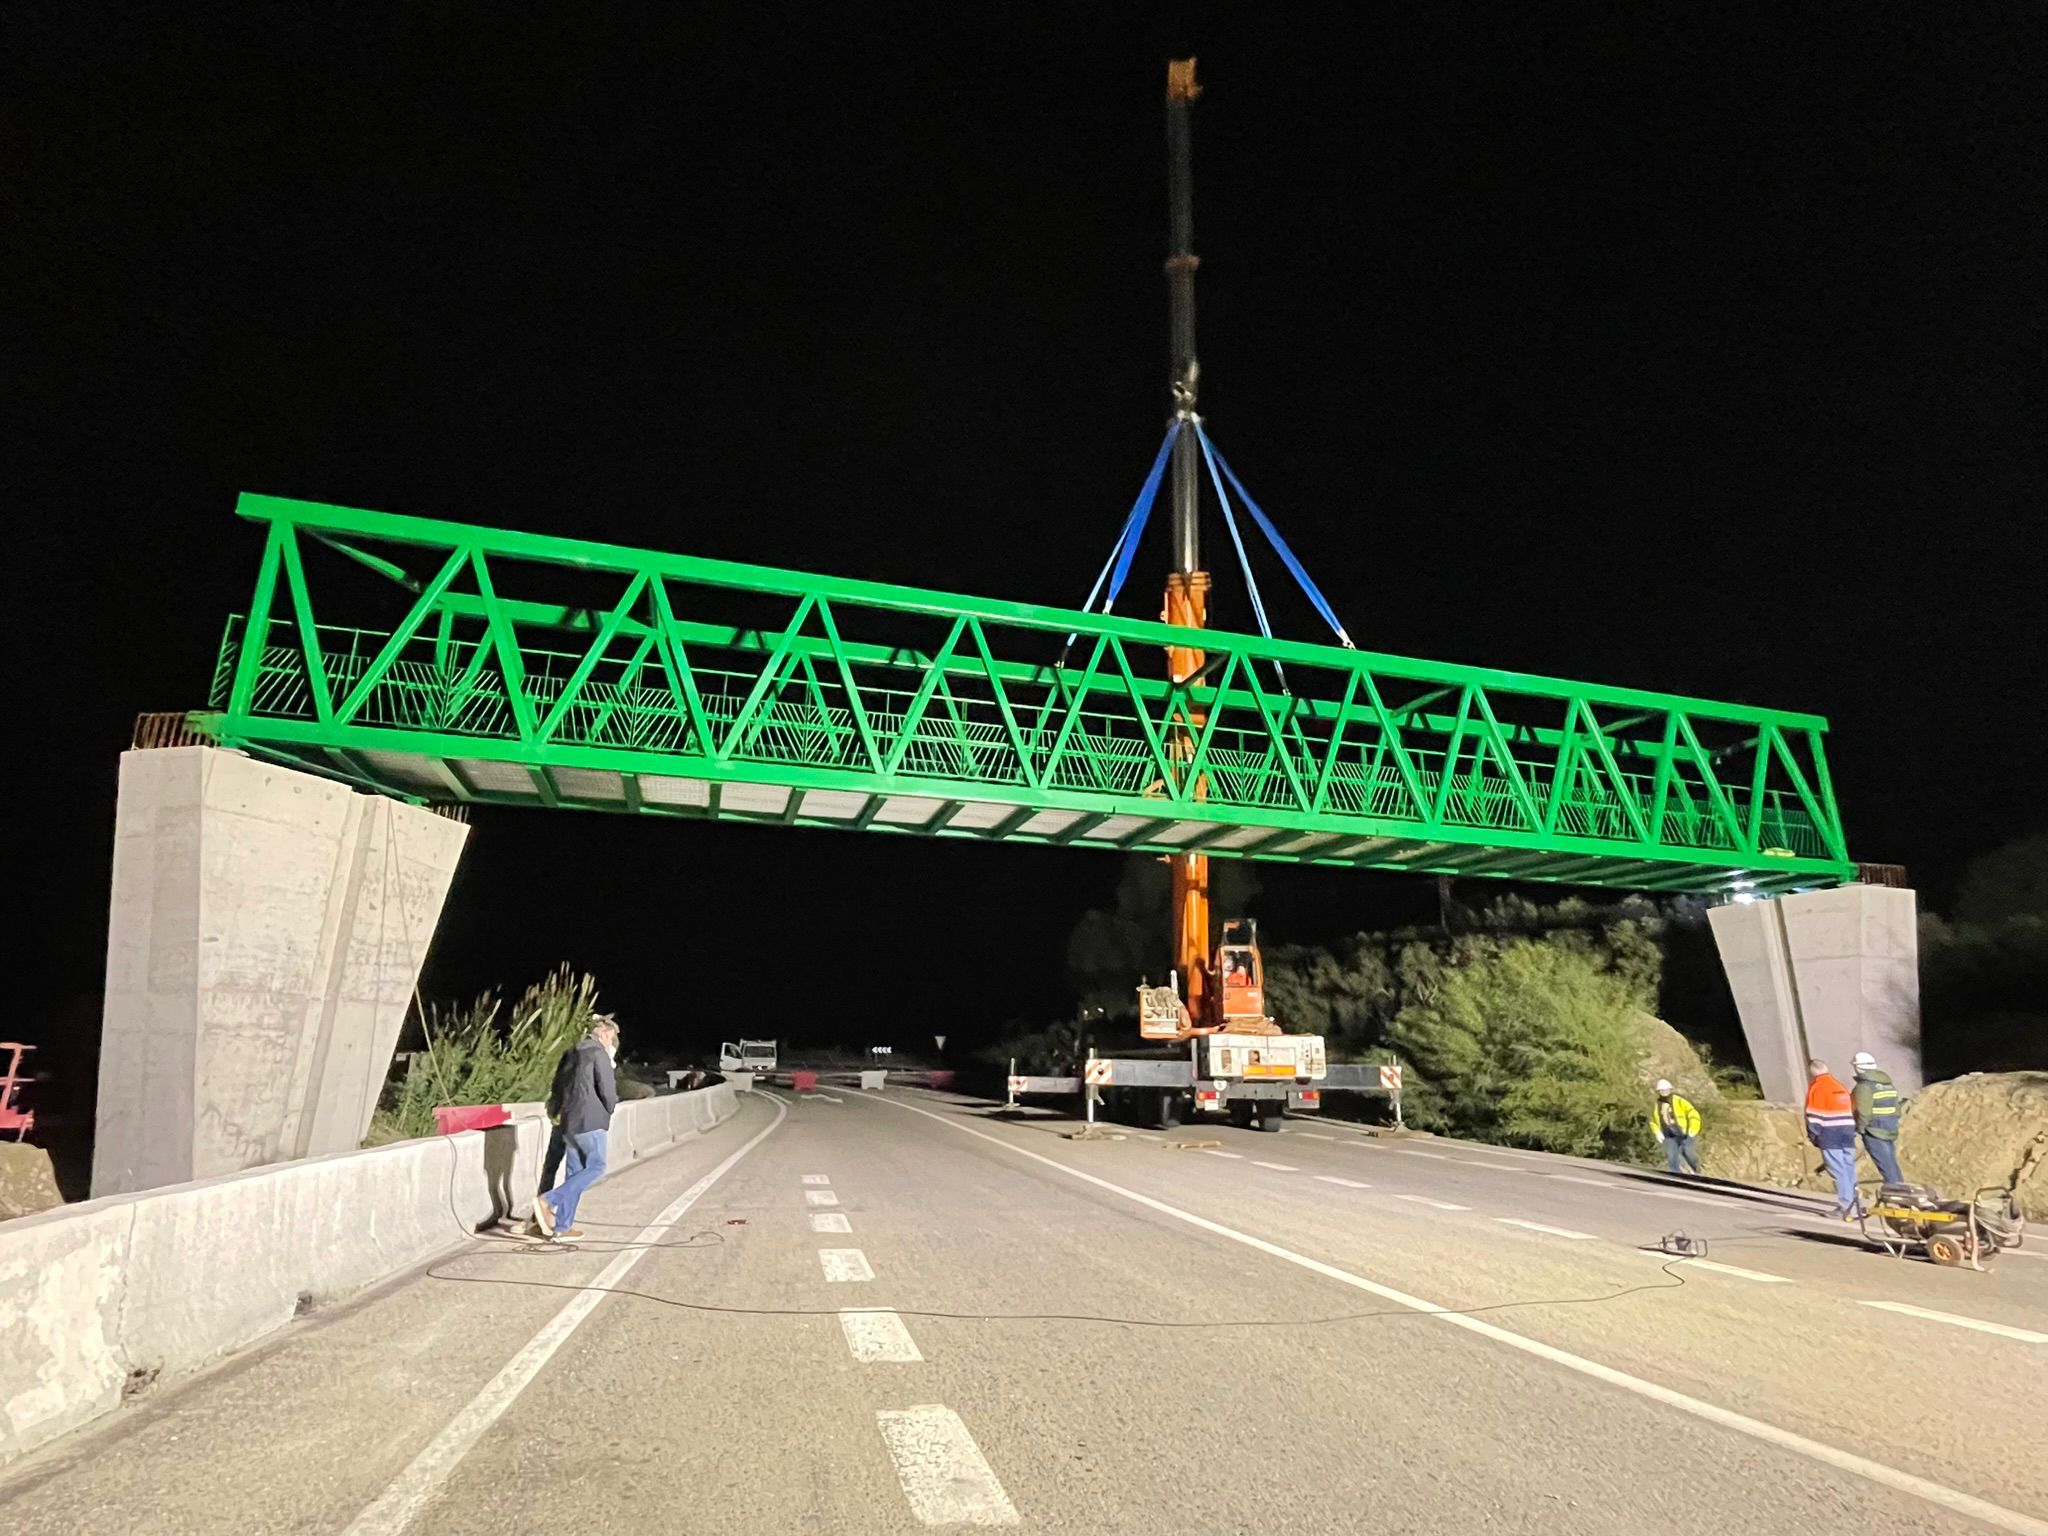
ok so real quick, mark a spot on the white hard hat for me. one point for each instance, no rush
(1864, 1059)
(1663, 1085)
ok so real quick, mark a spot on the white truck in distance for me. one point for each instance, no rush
(747, 1056)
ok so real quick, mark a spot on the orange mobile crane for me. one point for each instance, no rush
(1237, 1060)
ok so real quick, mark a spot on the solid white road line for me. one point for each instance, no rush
(1537, 1226)
(2004, 1331)
(1217, 1152)
(878, 1337)
(1995, 1515)
(830, 1221)
(397, 1506)
(1276, 1167)
(820, 1197)
(1442, 1205)
(844, 1264)
(816, 1178)
(944, 1475)
(1331, 1178)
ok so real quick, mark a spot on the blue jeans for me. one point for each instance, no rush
(584, 1157)
(1841, 1163)
(1886, 1155)
(1687, 1147)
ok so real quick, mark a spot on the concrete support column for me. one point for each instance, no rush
(265, 934)
(1827, 974)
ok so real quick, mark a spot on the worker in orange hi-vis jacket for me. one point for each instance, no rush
(1831, 1126)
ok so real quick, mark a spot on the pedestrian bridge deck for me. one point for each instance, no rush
(498, 667)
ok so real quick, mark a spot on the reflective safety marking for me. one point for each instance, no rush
(878, 1337)
(820, 1197)
(945, 1478)
(1276, 1167)
(844, 1264)
(816, 1178)
(1331, 1178)
(830, 1221)
(1442, 1205)
(1537, 1226)
(2004, 1331)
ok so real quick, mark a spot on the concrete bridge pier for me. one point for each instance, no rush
(265, 935)
(1827, 974)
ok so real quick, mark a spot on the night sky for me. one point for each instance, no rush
(1698, 352)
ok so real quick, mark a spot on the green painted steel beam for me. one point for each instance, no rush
(510, 668)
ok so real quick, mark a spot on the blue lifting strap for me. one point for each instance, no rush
(1118, 566)
(1244, 562)
(1309, 589)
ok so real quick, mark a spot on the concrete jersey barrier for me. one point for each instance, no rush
(97, 1295)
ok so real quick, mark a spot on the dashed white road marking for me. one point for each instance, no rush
(830, 1221)
(1473, 1162)
(1442, 1205)
(2003, 1330)
(1573, 1178)
(1740, 1273)
(816, 1178)
(878, 1337)
(1314, 1136)
(1411, 1152)
(945, 1478)
(1276, 1167)
(399, 1504)
(1881, 1473)
(820, 1197)
(844, 1264)
(823, 1099)
(1331, 1178)
(1143, 1137)
(1672, 1194)
(1537, 1226)
(1217, 1152)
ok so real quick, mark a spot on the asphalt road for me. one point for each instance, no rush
(896, 1312)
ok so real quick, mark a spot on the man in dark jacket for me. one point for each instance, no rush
(1875, 1103)
(581, 1104)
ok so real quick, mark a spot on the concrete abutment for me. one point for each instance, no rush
(265, 933)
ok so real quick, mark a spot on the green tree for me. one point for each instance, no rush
(1524, 1044)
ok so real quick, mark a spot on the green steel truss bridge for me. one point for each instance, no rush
(506, 668)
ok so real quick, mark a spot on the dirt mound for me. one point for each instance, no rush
(1759, 1143)
(27, 1184)
(1668, 1054)
(1986, 1128)
(1959, 1136)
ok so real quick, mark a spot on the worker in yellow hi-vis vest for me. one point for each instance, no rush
(1677, 1125)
